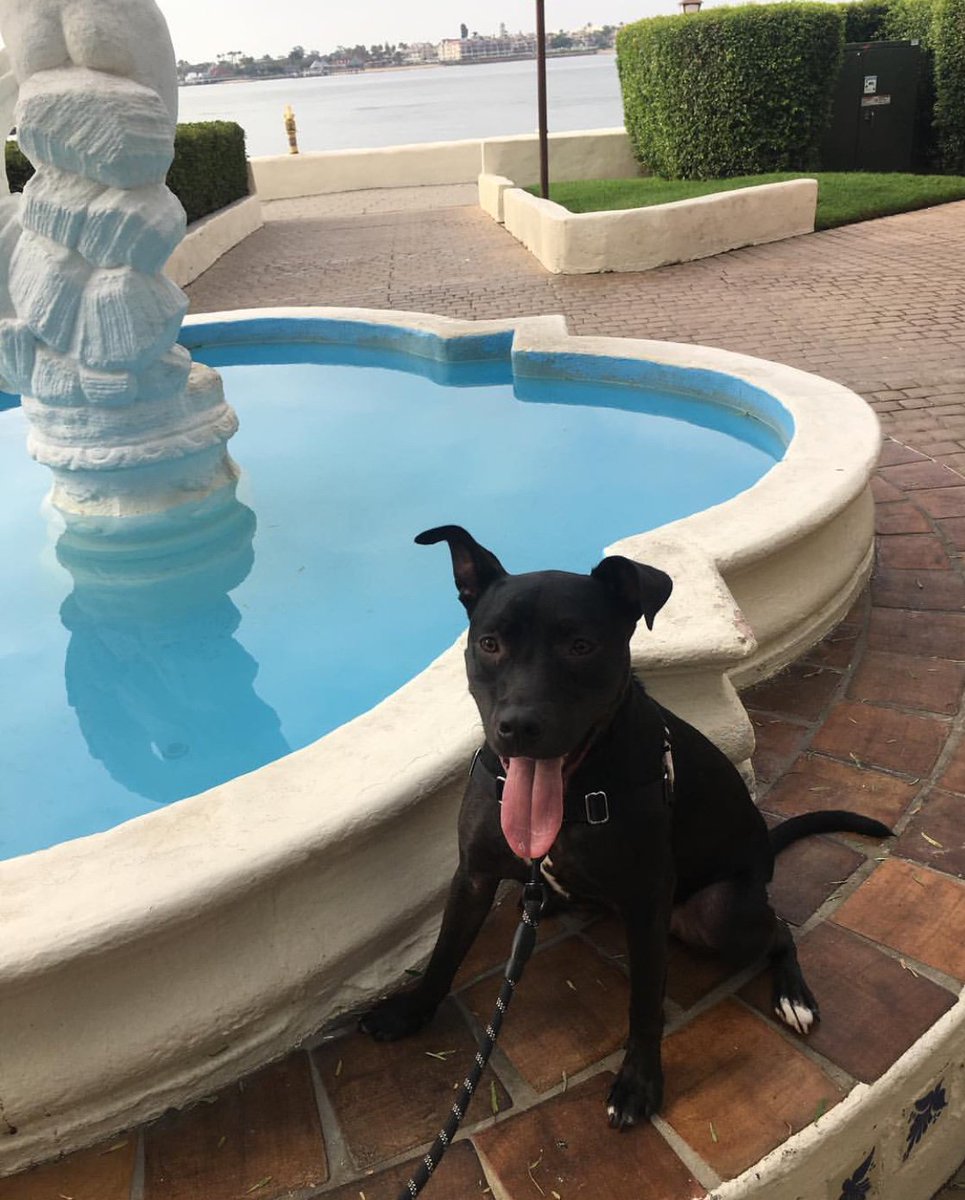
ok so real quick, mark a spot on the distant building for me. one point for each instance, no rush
(317, 67)
(487, 49)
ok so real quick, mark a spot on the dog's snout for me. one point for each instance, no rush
(518, 729)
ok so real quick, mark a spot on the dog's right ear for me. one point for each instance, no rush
(474, 567)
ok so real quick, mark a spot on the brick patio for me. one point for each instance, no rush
(871, 718)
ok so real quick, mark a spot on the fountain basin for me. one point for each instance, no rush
(149, 964)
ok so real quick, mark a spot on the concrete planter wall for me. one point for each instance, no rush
(211, 237)
(638, 239)
(590, 154)
(151, 964)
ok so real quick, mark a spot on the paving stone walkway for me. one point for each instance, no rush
(872, 716)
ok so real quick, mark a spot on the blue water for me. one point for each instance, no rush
(118, 696)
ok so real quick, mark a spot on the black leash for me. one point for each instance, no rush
(534, 897)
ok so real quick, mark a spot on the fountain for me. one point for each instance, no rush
(150, 964)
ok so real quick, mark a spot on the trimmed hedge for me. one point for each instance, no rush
(210, 169)
(948, 38)
(730, 91)
(864, 20)
(19, 167)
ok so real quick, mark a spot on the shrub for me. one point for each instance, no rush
(948, 34)
(730, 91)
(209, 171)
(865, 20)
(19, 167)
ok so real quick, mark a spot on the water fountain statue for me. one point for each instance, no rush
(134, 434)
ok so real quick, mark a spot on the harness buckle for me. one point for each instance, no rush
(597, 808)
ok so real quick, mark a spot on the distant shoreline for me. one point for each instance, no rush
(476, 62)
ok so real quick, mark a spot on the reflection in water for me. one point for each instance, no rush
(163, 692)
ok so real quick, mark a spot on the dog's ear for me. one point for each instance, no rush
(474, 567)
(640, 589)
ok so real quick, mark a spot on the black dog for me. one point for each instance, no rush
(629, 804)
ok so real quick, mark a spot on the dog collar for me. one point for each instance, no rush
(588, 808)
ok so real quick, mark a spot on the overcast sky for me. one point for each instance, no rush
(201, 29)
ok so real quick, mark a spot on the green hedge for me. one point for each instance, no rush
(948, 38)
(19, 167)
(209, 171)
(864, 20)
(730, 91)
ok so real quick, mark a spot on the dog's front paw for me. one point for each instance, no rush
(397, 1017)
(636, 1094)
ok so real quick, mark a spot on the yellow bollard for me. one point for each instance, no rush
(291, 130)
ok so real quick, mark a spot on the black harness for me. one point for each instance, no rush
(579, 808)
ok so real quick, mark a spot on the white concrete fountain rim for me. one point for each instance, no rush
(94, 892)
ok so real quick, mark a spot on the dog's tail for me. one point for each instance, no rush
(832, 821)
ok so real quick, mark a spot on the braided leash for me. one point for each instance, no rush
(534, 897)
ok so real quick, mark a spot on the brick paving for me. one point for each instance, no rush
(879, 307)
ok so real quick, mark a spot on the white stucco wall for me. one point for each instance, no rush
(589, 154)
(639, 239)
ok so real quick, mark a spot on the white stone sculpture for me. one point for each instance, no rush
(88, 322)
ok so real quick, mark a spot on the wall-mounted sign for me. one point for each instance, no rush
(874, 101)
(870, 84)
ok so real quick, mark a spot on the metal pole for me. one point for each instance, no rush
(544, 158)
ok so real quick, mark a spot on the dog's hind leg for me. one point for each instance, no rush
(792, 999)
(734, 918)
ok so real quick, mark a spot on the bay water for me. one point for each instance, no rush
(417, 104)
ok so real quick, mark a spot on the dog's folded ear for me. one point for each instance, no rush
(474, 567)
(641, 590)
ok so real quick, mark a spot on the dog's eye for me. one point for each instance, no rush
(581, 646)
(489, 645)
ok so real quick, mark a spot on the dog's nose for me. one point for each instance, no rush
(518, 729)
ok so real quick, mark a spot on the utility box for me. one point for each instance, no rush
(875, 110)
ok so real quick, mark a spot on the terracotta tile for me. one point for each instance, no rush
(801, 690)
(916, 475)
(458, 1177)
(913, 910)
(807, 873)
(954, 775)
(893, 453)
(872, 1008)
(927, 634)
(262, 1135)
(691, 974)
(816, 783)
(883, 491)
(609, 936)
(954, 530)
(103, 1173)
(776, 744)
(936, 834)
(565, 1146)
(893, 587)
(569, 1011)
(491, 948)
(882, 737)
(392, 1096)
(944, 502)
(837, 648)
(932, 684)
(901, 517)
(913, 551)
(736, 1088)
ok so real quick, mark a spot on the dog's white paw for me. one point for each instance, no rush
(800, 1017)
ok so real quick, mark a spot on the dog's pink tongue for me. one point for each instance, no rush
(532, 808)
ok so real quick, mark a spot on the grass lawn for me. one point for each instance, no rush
(843, 197)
